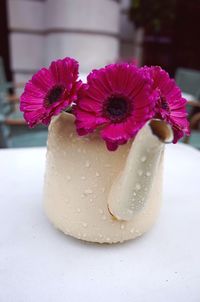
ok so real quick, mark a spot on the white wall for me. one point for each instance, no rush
(95, 32)
(127, 33)
(26, 24)
(45, 30)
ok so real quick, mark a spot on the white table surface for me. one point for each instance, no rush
(39, 263)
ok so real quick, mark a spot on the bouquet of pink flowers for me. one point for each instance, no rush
(119, 99)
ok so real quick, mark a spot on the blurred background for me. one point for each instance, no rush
(95, 32)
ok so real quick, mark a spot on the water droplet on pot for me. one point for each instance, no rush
(88, 191)
(83, 177)
(85, 224)
(100, 211)
(103, 217)
(138, 187)
(97, 174)
(78, 210)
(87, 163)
(148, 173)
(143, 158)
(69, 177)
(122, 226)
(132, 231)
(107, 165)
(140, 172)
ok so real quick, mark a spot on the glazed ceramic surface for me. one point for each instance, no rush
(97, 195)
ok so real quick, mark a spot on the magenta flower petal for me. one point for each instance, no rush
(50, 91)
(115, 133)
(86, 122)
(170, 106)
(119, 99)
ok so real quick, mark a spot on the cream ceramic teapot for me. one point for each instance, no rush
(89, 192)
(101, 196)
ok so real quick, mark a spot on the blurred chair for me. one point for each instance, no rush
(194, 138)
(15, 133)
(13, 129)
(21, 136)
(189, 82)
(8, 89)
(8, 98)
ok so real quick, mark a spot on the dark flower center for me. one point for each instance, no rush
(54, 95)
(117, 108)
(164, 104)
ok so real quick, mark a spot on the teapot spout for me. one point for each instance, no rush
(130, 192)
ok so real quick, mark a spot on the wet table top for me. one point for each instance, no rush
(39, 263)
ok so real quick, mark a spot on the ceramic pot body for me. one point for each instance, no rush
(83, 181)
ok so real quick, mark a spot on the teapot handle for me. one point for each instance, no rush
(131, 190)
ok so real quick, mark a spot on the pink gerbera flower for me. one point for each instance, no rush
(117, 98)
(50, 91)
(170, 106)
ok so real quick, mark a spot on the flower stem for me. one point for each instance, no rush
(68, 109)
